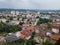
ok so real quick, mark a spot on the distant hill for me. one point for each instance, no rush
(24, 10)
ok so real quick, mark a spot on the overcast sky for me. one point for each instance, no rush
(31, 4)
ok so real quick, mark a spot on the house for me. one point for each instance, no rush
(45, 16)
(18, 34)
(36, 30)
(11, 37)
(17, 12)
(48, 33)
(20, 19)
(55, 37)
(13, 12)
(15, 19)
(29, 16)
(2, 39)
(55, 18)
(3, 20)
(55, 27)
(31, 28)
(14, 22)
(42, 34)
(25, 34)
(44, 26)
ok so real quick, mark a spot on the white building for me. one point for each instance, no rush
(17, 12)
(14, 22)
(3, 20)
(18, 34)
(13, 12)
(45, 16)
(55, 30)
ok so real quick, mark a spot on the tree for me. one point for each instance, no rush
(8, 28)
(47, 42)
(19, 42)
(13, 28)
(58, 42)
(11, 18)
(7, 43)
(31, 42)
(2, 25)
(40, 21)
(18, 18)
(21, 23)
(37, 17)
(32, 36)
(49, 26)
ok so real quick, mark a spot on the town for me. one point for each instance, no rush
(29, 27)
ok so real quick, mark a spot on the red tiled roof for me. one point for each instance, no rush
(25, 33)
(48, 31)
(22, 36)
(55, 25)
(44, 24)
(55, 36)
(31, 28)
(42, 34)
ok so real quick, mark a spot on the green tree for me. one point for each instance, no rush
(7, 43)
(32, 36)
(58, 42)
(8, 28)
(47, 42)
(11, 18)
(2, 25)
(37, 17)
(40, 21)
(19, 42)
(31, 41)
(49, 26)
(21, 23)
(13, 28)
(18, 18)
